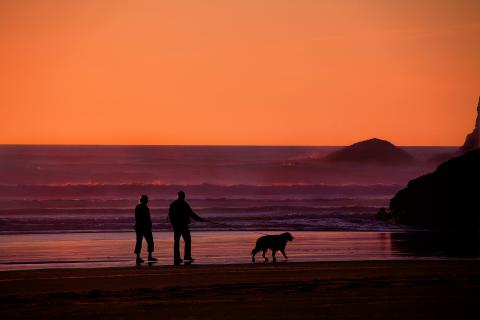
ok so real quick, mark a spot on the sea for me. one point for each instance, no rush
(73, 206)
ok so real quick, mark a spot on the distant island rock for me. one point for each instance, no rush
(446, 200)
(472, 140)
(372, 151)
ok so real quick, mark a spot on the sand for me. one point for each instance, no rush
(322, 290)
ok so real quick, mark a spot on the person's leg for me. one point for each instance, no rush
(176, 247)
(138, 245)
(151, 245)
(188, 244)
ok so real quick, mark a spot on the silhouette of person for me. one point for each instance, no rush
(143, 229)
(179, 215)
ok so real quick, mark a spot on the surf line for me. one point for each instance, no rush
(234, 227)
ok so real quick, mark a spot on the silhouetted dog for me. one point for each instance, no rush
(274, 243)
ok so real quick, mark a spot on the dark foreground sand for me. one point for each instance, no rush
(324, 290)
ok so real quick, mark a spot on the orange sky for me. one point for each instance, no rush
(238, 72)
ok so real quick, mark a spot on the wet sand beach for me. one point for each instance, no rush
(433, 289)
(115, 249)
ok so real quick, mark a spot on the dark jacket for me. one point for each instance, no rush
(180, 213)
(143, 222)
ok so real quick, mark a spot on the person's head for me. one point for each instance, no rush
(144, 199)
(181, 195)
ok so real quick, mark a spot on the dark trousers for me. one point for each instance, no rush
(147, 234)
(185, 234)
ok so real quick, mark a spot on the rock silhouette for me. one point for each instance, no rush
(383, 215)
(373, 151)
(472, 140)
(445, 200)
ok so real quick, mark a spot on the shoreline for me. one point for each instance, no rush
(431, 289)
(156, 265)
(258, 264)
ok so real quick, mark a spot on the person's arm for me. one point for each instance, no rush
(170, 215)
(149, 219)
(135, 226)
(195, 216)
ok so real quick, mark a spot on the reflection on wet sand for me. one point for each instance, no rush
(436, 244)
(115, 249)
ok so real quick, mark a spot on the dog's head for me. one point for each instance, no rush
(287, 236)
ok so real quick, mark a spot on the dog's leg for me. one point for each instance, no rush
(283, 252)
(273, 256)
(263, 255)
(254, 252)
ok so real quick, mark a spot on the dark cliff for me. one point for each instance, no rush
(447, 199)
(472, 140)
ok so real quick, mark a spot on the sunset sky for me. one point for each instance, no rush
(246, 72)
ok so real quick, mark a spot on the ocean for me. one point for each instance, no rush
(54, 192)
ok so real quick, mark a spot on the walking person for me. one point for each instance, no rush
(143, 229)
(179, 215)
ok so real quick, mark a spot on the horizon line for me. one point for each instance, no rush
(199, 145)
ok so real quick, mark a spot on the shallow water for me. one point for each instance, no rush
(88, 250)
